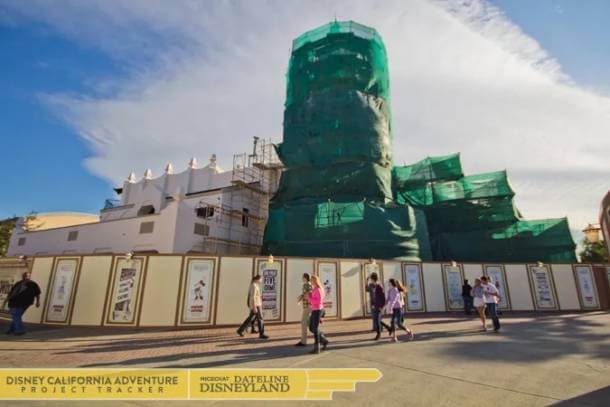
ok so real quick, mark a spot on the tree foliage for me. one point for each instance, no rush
(6, 229)
(7, 226)
(594, 252)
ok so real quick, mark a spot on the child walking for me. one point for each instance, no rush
(394, 305)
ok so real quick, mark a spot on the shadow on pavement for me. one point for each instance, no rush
(544, 338)
(599, 398)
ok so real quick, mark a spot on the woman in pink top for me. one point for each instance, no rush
(316, 303)
(394, 305)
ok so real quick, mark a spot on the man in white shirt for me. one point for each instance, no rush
(490, 293)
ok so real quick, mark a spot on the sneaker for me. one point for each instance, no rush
(19, 333)
(315, 351)
(393, 339)
(263, 336)
(377, 337)
(411, 335)
(240, 333)
(324, 344)
(300, 344)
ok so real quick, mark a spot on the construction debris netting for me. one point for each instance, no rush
(340, 196)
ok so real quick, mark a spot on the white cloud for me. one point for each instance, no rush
(464, 78)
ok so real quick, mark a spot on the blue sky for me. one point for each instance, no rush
(44, 155)
(94, 90)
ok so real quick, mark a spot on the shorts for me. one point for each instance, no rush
(479, 302)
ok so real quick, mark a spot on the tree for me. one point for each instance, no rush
(8, 225)
(6, 229)
(594, 252)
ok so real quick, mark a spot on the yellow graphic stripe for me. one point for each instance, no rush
(180, 384)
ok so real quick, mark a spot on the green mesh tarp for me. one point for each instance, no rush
(343, 229)
(429, 169)
(335, 196)
(338, 55)
(471, 187)
(473, 218)
(341, 196)
(546, 240)
(342, 181)
(337, 126)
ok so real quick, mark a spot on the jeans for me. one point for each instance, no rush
(397, 320)
(468, 300)
(16, 323)
(314, 327)
(304, 324)
(493, 314)
(258, 315)
(378, 324)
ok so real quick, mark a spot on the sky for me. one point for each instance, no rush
(90, 91)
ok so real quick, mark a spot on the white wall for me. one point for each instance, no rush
(519, 287)
(160, 288)
(433, 287)
(119, 236)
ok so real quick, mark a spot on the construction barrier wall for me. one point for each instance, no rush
(198, 290)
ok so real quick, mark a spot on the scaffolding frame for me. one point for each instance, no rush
(255, 178)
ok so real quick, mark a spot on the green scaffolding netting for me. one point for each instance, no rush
(473, 218)
(334, 198)
(524, 241)
(341, 196)
(343, 229)
(338, 55)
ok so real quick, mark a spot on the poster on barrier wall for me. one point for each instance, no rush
(125, 292)
(497, 277)
(61, 290)
(414, 286)
(544, 294)
(453, 287)
(586, 287)
(328, 277)
(271, 287)
(369, 268)
(198, 289)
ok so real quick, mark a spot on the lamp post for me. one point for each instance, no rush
(592, 233)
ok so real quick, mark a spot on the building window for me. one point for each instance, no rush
(146, 210)
(147, 227)
(205, 212)
(201, 229)
(72, 236)
(244, 217)
(21, 241)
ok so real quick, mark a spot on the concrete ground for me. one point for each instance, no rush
(536, 359)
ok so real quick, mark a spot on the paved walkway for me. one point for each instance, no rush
(536, 359)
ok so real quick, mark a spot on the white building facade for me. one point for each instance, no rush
(203, 210)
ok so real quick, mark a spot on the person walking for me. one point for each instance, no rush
(377, 305)
(479, 301)
(394, 304)
(305, 313)
(491, 294)
(20, 298)
(370, 290)
(255, 304)
(316, 303)
(466, 288)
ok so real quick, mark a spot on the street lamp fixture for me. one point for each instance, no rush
(592, 233)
